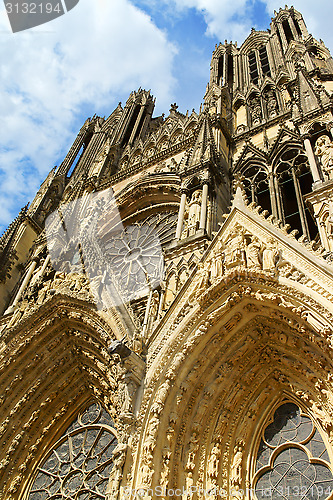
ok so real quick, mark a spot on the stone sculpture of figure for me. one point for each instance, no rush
(22, 307)
(234, 248)
(255, 109)
(253, 253)
(204, 275)
(160, 398)
(45, 291)
(272, 105)
(324, 151)
(137, 344)
(119, 455)
(214, 461)
(193, 448)
(154, 305)
(194, 211)
(217, 262)
(270, 256)
(236, 467)
(37, 275)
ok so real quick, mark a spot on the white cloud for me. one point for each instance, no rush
(85, 59)
(232, 20)
(225, 19)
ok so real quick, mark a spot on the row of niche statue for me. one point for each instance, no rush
(44, 283)
(324, 152)
(240, 249)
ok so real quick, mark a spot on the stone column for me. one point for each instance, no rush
(22, 287)
(145, 321)
(312, 160)
(137, 123)
(162, 293)
(303, 27)
(203, 214)
(271, 186)
(293, 28)
(300, 205)
(47, 260)
(181, 216)
(280, 213)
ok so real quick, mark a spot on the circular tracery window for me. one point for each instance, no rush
(292, 460)
(79, 464)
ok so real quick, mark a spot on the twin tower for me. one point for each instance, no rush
(166, 300)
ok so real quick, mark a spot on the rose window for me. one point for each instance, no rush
(79, 464)
(134, 255)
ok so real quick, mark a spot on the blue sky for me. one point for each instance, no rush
(53, 77)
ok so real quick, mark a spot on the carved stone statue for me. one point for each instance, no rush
(204, 275)
(236, 467)
(270, 256)
(272, 105)
(100, 159)
(214, 461)
(324, 151)
(255, 109)
(193, 448)
(253, 253)
(234, 248)
(217, 261)
(119, 456)
(194, 211)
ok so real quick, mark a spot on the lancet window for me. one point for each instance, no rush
(292, 181)
(259, 64)
(292, 460)
(80, 462)
(256, 185)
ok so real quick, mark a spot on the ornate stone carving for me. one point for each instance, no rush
(255, 109)
(324, 151)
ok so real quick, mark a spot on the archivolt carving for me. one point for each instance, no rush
(259, 359)
(47, 372)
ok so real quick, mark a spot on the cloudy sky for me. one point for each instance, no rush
(53, 77)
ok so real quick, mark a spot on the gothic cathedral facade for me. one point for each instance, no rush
(166, 300)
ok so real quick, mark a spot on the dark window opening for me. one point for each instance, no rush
(305, 182)
(264, 199)
(264, 61)
(253, 67)
(79, 155)
(312, 226)
(290, 206)
(298, 29)
(287, 30)
(230, 69)
(220, 70)
(138, 130)
(131, 125)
